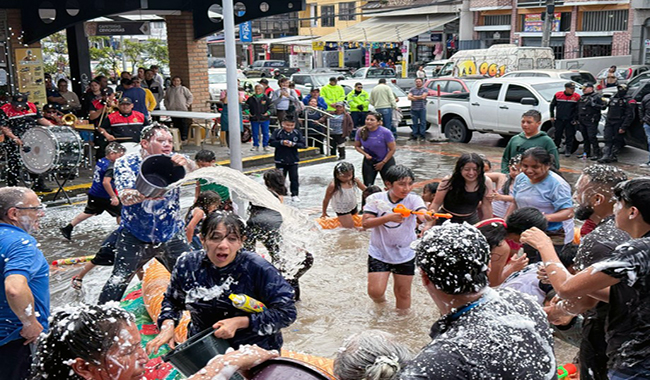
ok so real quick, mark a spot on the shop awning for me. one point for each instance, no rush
(389, 29)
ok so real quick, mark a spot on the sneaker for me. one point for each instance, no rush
(255, 149)
(646, 165)
(594, 158)
(413, 138)
(295, 199)
(582, 155)
(67, 231)
(266, 148)
(567, 155)
(422, 138)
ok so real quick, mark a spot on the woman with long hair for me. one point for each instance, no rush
(377, 145)
(465, 191)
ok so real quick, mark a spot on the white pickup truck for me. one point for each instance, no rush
(494, 106)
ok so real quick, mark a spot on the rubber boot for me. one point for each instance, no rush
(341, 153)
(606, 158)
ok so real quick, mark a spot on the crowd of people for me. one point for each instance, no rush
(496, 251)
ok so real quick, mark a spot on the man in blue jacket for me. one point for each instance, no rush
(25, 289)
(315, 93)
(286, 142)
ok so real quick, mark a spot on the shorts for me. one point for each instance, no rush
(97, 205)
(404, 269)
(354, 211)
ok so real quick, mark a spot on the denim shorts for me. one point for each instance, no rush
(405, 269)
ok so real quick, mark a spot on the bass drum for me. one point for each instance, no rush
(46, 149)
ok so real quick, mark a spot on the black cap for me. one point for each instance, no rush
(569, 85)
(126, 100)
(19, 99)
(588, 85)
(49, 107)
(264, 81)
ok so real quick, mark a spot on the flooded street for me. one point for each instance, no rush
(334, 301)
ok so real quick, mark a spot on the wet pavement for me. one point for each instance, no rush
(334, 301)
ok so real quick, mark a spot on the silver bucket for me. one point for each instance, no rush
(157, 172)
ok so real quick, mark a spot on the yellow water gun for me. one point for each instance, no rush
(246, 303)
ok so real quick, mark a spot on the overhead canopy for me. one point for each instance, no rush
(390, 29)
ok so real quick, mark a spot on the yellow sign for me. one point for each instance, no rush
(318, 45)
(29, 66)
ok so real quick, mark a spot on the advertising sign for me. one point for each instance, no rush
(117, 28)
(29, 67)
(533, 22)
(246, 32)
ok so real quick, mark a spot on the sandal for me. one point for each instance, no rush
(76, 283)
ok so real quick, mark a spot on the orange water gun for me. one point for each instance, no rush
(401, 209)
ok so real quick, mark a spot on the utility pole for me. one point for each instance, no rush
(234, 114)
(548, 23)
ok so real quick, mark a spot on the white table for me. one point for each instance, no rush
(207, 117)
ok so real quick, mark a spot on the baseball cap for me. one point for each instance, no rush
(569, 85)
(454, 257)
(588, 85)
(339, 104)
(126, 100)
(49, 107)
(19, 99)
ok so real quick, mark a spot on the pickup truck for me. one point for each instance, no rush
(494, 106)
(261, 69)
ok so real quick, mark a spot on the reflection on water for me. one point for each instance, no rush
(334, 301)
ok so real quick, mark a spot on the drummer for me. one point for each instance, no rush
(51, 114)
(124, 125)
(15, 118)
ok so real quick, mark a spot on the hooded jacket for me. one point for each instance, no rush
(287, 155)
(202, 288)
(520, 143)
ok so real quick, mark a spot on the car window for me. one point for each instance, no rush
(548, 90)
(258, 64)
(644, 91)
(298, 79)
(215, 78)
(359, 74)
(489, 91)
(635, 82)
(515, 93)
(275, 64)
(453, 86)
(434, 85)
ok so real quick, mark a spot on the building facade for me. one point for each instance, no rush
(322, 17)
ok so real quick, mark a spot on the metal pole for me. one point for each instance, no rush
(123, 55)
(548, 23)
(234, 115)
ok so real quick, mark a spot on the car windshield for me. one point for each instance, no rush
(322, 80)
(637, 79)
(215, 78)
(275, 64)
(581, 78)
(396, 90)
(547, 90)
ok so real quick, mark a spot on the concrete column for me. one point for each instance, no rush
(188, 58)
(79, 55)
(466, 29)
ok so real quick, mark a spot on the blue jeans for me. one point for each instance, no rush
(646, 128)
(387, 119)
(256, 132)
(131, 255)
(419, 118)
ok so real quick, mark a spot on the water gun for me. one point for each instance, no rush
(564, 371)
(73, 260)
(246, 303)
(401, 209)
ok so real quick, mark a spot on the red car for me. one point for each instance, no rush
(450, 85)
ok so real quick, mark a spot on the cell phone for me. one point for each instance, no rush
(520, 252)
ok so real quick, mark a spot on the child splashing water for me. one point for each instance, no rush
(391, 237)
(207, 202)
(343, 194)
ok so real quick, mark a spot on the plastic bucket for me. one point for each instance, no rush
(157, 172)
(196, 352)
(287, 369)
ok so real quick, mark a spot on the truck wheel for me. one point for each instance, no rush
(549, 129)
(456, 131)
(428, 126)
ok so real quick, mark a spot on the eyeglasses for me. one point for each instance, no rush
(39, 208)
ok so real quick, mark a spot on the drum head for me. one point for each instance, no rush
(42, 150)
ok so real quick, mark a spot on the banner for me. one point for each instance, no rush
(533, 22)
(29, 66)
(246, 32)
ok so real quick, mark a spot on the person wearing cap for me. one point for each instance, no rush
(123, 125)
(621, 114)
(268, 91)
(51, 114)
(590, 107)
(16, 117)
(340, 126)
(137, 95)
(358, 100)
(277, 75)
(484, 333)
(332, 93)
(563, 109)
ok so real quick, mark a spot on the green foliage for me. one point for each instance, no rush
(55, 52)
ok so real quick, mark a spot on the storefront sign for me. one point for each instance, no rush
(122, 28)
(533, 22)
(245, 32)
(318, 45)
(29, 65)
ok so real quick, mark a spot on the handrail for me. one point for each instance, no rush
(326, 143)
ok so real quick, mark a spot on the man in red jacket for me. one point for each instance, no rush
(123, 125)
(565, 118)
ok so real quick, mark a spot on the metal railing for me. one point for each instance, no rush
(326, 127)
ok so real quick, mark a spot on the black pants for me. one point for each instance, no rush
(359, 118)
(183, 126)
(12, 170)
(370, 174)
(614, 141)
(292, 170)
(593, 348)
(15, 360)
(269, 236)
(589, 132)
(566, 129)
(337, 142)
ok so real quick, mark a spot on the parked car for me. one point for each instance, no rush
(374, 73)
(265, 68)
(494, 106)
(626, 72)
(217, 81)
(433, 69)
(216, 63)
(402, 97)
(632, 84)
(311, 80)
(580, 77)
(451, 85)
(249, 85)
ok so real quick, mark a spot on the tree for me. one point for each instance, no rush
(55, 53)
(133, 50)
(102, 51)
(157, 52)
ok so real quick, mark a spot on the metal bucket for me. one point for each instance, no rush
(157, 172)
(196, 352)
